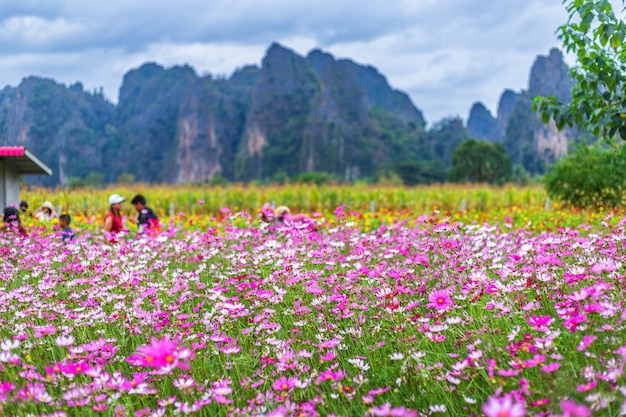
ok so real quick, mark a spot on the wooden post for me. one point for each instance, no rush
(547, 203)
(372, 207)
(463, 205)
(171, 209)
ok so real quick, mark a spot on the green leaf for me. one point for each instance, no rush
(616, 41)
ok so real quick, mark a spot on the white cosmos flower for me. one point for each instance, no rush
(438, 408)
(65, 340)
(469, 400)
(9, 344)
(359, 363)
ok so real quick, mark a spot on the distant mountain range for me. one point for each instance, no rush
(292, 115)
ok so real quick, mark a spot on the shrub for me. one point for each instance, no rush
(592, 176)
(74, 183)
(126, 178)
(317, 178)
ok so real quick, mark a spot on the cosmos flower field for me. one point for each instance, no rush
(416, 317)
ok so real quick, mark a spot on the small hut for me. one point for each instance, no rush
(16, 161)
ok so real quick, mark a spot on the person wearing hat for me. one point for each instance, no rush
(113, 222)
(46, 212)
(282, 216)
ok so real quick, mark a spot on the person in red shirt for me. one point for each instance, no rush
(113, 222)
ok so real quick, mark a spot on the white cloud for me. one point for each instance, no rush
(37, 31)
(445, 53)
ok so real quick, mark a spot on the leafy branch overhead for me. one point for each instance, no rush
(595, 35)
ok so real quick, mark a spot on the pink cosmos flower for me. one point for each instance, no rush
(284, 383)
(508, 372)
(571, 409)
(551, 367)
(439, 300)
(540, 402)
(35, 393)
(587, 387)
(605, 265)
(584, 344)
(158, 354)
(378, 391)
(328, 356)
(540, 323)
(386, 410)
(330, 375)
(74, 368)
(504, 407)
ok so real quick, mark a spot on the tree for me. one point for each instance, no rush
(480, 161)
(596, 36)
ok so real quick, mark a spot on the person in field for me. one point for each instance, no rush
(67, 234)
(147, 221)
(283, 216)
(113, 222)
(24, 208)
(45, 213)
(11, 221)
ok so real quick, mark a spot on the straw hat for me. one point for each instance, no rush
(281, 211)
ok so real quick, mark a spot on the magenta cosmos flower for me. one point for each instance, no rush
(503, 407)
(571, 409)
(157, 354)
(284, 383)
(439, 300)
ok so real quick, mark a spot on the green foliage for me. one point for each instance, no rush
(126, 178)
(595, 35)
(520, 175)
(593, 176)
(94, 179)
(74, 183)
(415, 172)
(279, 178)
(218, 180)
(480, 161)
(387, 176)
(317, 178)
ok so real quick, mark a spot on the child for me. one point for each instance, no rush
(147, 221)
(24, 208)
(11, 221)
(67, 234)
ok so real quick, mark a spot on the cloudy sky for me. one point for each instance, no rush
(445, 53)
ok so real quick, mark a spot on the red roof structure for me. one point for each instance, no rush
(23, 160)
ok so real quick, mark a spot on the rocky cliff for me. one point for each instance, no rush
(528, 141)
(294, 114)
(66, 127)
(316, 113)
